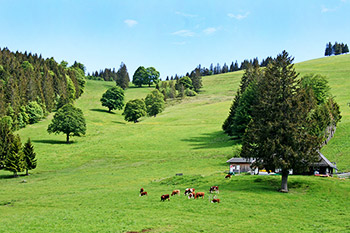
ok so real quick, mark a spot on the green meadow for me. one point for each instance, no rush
(92, 184)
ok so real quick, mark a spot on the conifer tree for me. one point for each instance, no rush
(277, 136)
(6, 139)
(29, 156)
(15, 158)
(122, 77)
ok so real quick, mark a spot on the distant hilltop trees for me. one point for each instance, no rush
(336, 49)
(218, 69)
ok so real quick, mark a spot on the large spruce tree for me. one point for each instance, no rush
(277, 136)
(123, 79)
(29, 156)
(15, 158)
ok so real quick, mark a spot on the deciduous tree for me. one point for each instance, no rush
(154, 103)
(113, 98)
(68, 120)
(134, 109)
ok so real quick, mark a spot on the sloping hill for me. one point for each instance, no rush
(92, 185)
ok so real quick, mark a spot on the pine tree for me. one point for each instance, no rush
(122, 77)
(29, 156)
(328, 51)
(6, 139)
(277, 136)
(345, 49)
(196, 78)
(15, 159)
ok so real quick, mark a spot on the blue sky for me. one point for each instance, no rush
(173, 36)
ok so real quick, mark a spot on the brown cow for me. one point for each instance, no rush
(214, 189)
(228, 176)
(143, 194)
(189, 190)
(199, 194)
(175, 192)
(191, 195)
(215, 201)
(164, 197)
(142, 190)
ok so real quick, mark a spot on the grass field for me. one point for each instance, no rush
(92, 184)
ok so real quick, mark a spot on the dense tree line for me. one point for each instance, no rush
(336, 49)
(234, 66)
(31, 86)
(121, 77)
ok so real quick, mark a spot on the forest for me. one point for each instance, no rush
(32, 86)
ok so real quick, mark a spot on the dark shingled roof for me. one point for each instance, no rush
(324, 162)
(240, 160)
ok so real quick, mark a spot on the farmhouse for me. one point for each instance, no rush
(322, 166)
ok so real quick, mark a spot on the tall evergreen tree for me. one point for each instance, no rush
(251, 74)
(29, 156)
(276, 136)
(15, 159)
(122, 77)
(6, 139)
(196, 78)
(328, 51)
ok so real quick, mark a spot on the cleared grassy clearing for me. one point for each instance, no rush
(92, 184)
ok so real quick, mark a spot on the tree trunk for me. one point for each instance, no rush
(15, 174)
(67, 137)
(27, 172)
(284, 184)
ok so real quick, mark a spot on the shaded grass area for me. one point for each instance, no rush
(92, 185)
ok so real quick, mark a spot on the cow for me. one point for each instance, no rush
(215, 201)
(143, 194)
(189, 190)
(175, 192)
(164, 197)
(228, 176)
(199, 194)
(214, 189)
(191, 195)
(142, 190)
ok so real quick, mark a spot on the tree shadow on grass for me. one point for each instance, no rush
(10, 176)
(101, 110)
(53, 142)
(119, 122)
(211, 140)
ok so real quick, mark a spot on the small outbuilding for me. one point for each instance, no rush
(238, 165)
(322, 166)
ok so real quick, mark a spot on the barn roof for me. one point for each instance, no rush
(240, 160)
(324, 162)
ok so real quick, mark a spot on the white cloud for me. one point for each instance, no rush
(130, 22)
(326, 9)
(209, 31)
(239, 16)
(185, 14)
(184, 33)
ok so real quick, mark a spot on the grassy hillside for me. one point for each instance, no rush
(92, 185)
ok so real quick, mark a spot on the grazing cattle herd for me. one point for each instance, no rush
(189, 192)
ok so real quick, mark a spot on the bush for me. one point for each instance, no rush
(34, 111)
